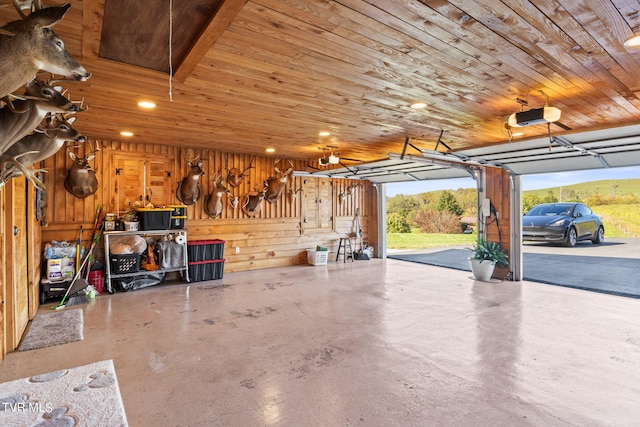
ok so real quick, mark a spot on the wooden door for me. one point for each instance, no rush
(3, 272)
(16, 289)
(318, 200)
(142, 180)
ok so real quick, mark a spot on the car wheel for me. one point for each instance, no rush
(599, 238)
(572, 237)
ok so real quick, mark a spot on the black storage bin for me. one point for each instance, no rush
(218, 249)
(205, 250)
(154, 218)
(127, 263)
(218, 269)
(206, 270)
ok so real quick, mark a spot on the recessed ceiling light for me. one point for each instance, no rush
(126, 133)
(146, 104)
(324, 133)
(418, 105)
(270, 150)
(632, 41)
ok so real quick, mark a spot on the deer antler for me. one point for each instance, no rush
(94, 151)
(194, 161)
(8, 100)
(82, 108)
(250, 165)
(30, 5)
(60, 80)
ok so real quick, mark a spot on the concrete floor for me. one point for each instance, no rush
(369, 343)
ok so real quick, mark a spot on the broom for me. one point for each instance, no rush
(79, 283)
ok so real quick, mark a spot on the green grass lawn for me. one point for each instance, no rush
(620, 220)
(417, 240)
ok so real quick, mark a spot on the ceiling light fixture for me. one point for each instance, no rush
(146, 104)
(270, 150)
(324, 133)
(418, 105)
(126, 133)
(633, 41)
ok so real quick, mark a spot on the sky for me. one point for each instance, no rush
(529, 182)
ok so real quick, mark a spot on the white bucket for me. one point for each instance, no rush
(131, 226)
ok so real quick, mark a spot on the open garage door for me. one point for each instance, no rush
(606, 148)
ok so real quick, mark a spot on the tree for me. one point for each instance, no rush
(449, 203)
(430, 221)
(397, 223)
(550, 198)
(402, 204)
(529, 201)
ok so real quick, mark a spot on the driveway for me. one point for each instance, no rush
(611, 248)
(612, 267)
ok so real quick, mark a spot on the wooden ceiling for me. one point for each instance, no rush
(253, 74)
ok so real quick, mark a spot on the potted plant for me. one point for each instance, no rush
(130, 220)
(484, 258)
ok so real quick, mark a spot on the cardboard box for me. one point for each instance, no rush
(60, 269)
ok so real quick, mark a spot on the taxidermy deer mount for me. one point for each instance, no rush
(40, 145)
(213, 203)
(275, 184)
(252, 201)
(28, 45)
(234, 176)
(81, 181)
(188, 191)
(19, 118)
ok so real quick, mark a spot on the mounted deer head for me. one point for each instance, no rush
(294, 193)
(21, 117)
(276, 184)
(348, 192)
(234, 176)
(213, 203)
(81, 181)
(37, 147)
(188, 191)
(29, 45)
(252, 202)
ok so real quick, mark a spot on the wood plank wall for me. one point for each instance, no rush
(3, 272)
(276, 236)
(498, 191)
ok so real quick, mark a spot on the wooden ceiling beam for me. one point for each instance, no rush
(219, 22)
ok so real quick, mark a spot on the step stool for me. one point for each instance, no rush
(345, 245)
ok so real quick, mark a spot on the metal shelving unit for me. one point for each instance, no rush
(183, 269)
